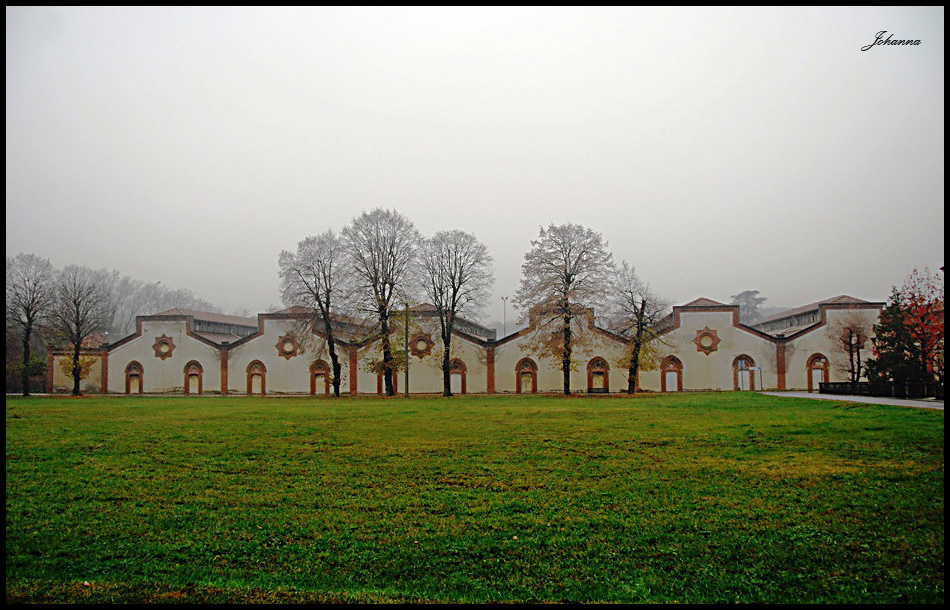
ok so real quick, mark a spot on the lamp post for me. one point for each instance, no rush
(407, 350)
(504, 316)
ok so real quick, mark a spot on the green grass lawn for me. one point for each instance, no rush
(713, 497)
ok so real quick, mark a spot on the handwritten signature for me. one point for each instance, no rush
(879, 39)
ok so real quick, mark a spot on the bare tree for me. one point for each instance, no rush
(31, 288)
(850, 335)
(80, 309)
(314, 277)
(381, 246)
(126, 298)
(748, 302)
(457, 278)
(636, 310)
(567, 265)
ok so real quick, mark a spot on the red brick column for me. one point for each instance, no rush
(224, 370)
(780, 364)
(105, 371)
(353, 359)
(491, 369)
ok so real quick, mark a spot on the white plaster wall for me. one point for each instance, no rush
(63, 382)
(700, 371)
(283, 375)
(590, 344)
(365, 380)
(821, 341)
(475, 357)
(166, 375)
(713, 371)
(425, 373)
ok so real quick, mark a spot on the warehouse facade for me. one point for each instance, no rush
(701, 346)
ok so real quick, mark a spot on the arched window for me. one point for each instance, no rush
(457, 373)
(817, 370)
(193, 375)
(598, 376)
(256, 378)
(671, 375)
(743, 377)
(320, 377)
(134, 378)
(526, 376)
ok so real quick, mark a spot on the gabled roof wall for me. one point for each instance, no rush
(798, 319)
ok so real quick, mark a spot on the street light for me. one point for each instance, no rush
(504, 317)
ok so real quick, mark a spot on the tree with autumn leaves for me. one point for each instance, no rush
(908, 339)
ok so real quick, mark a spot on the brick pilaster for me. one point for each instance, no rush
(224, 370)
(780, 364)
(491, 369)
(105, 371)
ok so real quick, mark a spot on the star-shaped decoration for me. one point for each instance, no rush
(164, 346)
(707, 341)
(287, 346)
(421, 345)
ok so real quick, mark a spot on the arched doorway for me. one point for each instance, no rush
(134, 378)
(193, 374)
(381, 385)
(817, 370)
(256, 378)
(671, 375)
(320, 377)
(598, 376)
(457, 373)
(743, 377)
(526, 377)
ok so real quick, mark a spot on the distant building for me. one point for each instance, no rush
(216, 327)
(702, 346)
(791, 321)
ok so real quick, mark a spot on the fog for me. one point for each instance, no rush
(717, 150)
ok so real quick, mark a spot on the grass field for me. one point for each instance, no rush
(718, 497)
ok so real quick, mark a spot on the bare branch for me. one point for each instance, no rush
(314, 277)
(635, 312)
(567, 265)
(81, 308)
(381, 247)
(457, 279)
(31, 291)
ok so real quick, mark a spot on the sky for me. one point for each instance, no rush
(717, 150)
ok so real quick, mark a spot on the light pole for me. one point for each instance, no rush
(407, 349)
(504, 316)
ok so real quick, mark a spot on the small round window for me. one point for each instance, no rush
(287, 346)
(421, 345)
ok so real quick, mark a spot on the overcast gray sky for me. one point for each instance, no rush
(717, 150)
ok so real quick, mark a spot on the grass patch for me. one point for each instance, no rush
(702, 498)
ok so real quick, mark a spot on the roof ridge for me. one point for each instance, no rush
(703, 302)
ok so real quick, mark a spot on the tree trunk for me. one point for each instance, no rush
(446, 369)
(76, 370)
(446, 324)
(566, 359)
(634, 373)
(26, 361)
(858, 376)
(634, 368)
(335, 363)
(387, 355)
